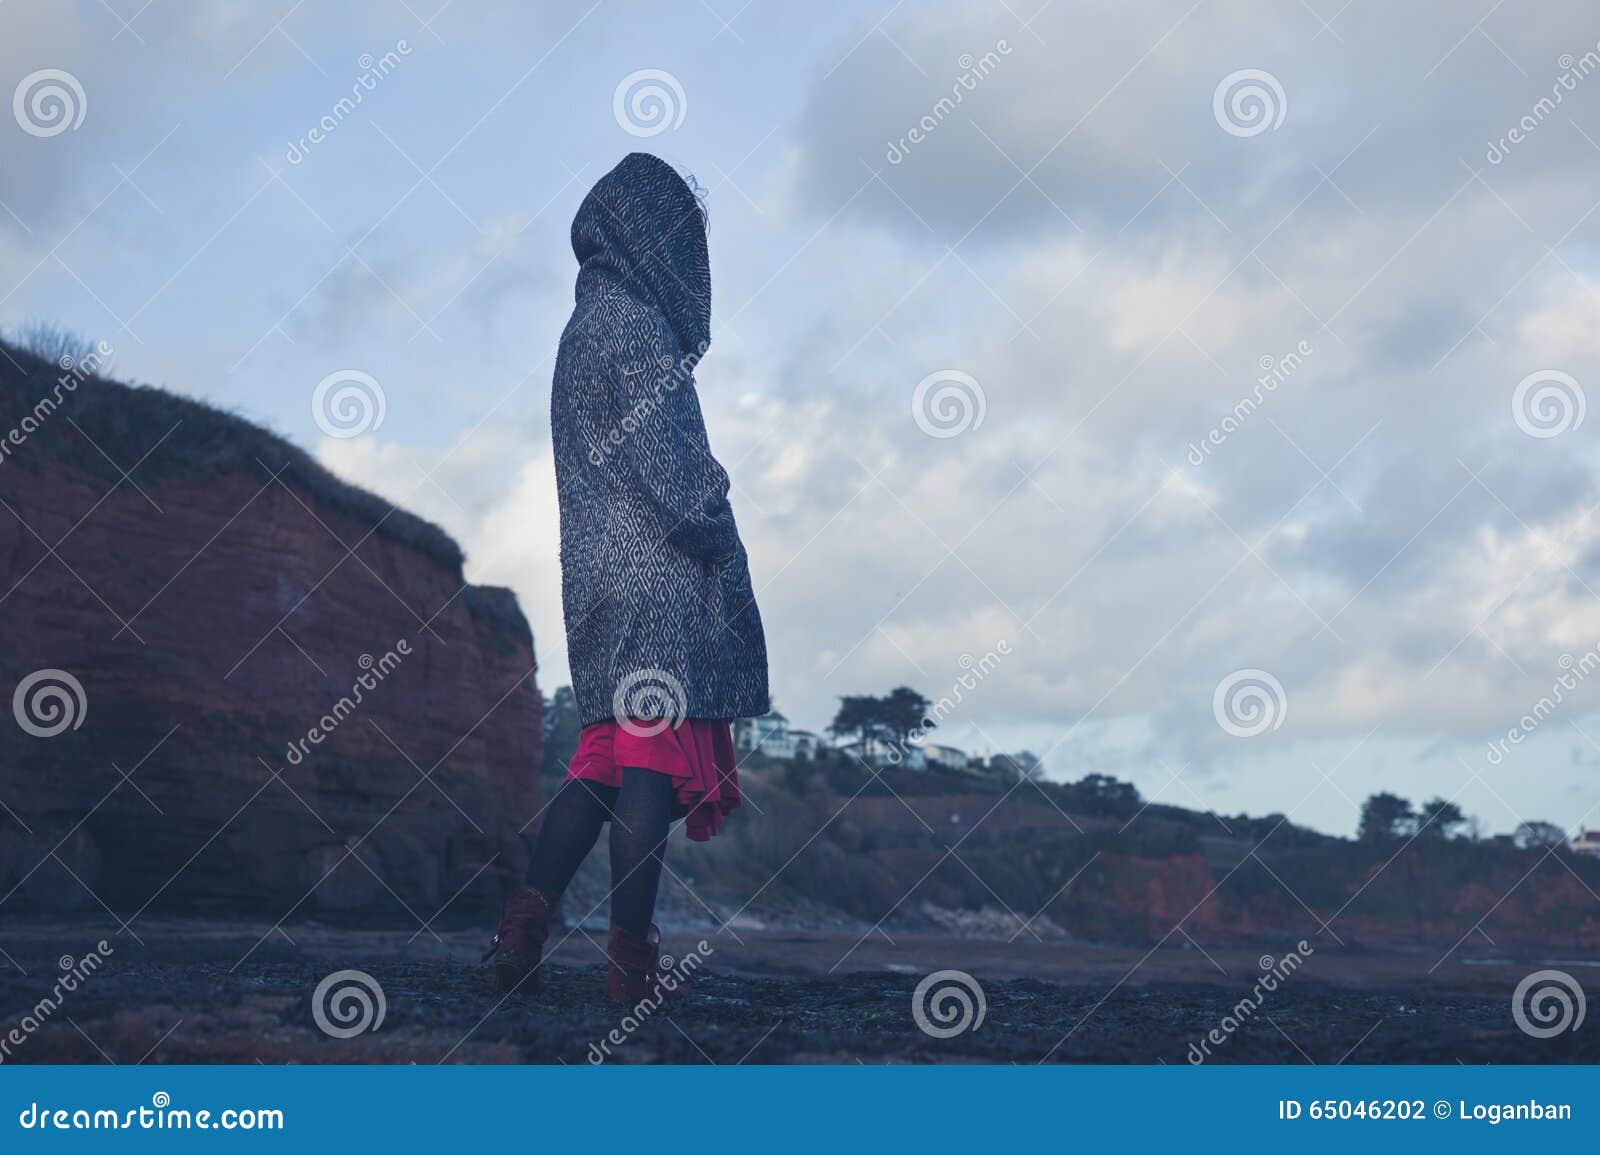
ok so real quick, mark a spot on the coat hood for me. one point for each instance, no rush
(640, 230)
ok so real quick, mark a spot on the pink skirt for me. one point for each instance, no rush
(697, 755)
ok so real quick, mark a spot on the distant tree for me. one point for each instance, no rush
(1538, 835)
(904, 712)
(1023, 765)
(560, 731)
(890, 719)
(1386, 816)
(1439, 818)
(860, 715)
(1103, 792)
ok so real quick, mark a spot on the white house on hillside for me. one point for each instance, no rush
(880, 754)
(770, 735)
(913, 756)
(950, 757)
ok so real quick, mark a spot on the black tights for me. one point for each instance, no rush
(640, 813)
(571, 824)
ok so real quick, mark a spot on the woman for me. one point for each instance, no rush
(663, 635)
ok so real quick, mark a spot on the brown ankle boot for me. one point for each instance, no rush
(633, 968)
(519, 943)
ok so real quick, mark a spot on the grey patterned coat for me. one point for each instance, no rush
(655, 584)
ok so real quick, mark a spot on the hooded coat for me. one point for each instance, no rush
(655, 583)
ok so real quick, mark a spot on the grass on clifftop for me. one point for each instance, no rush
(126, 421)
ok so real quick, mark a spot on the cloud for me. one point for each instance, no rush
(1377, 529)
(1078, 116)
(1247, 398)
(383, 290)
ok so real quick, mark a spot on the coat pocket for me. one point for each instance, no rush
(733, 591)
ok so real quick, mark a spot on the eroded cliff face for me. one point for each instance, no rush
(291, 702)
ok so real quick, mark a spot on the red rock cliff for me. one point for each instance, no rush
(291, 701)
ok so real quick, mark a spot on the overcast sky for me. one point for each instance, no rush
(979, 386)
